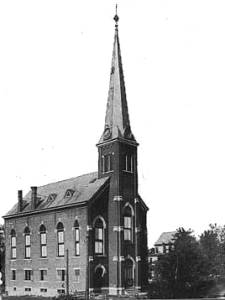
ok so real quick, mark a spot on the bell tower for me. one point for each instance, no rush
(117, 134)
(117, 159)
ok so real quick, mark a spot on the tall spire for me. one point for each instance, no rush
(117, 123)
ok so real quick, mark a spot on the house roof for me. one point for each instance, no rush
(165, 238)
(83, 188)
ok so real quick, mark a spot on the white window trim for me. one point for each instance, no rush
(59, 269)
(104, 233)
(11, 274)
(44, 269)
(28, 269)
(57, 241)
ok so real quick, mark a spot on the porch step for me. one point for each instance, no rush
(131, 291)
(134, 293)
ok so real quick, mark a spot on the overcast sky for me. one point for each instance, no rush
(55, 61)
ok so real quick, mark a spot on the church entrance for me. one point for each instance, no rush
(99, 279)
(129, 273)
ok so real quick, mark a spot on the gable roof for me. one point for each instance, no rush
(145, 207)
(84, 187)
(165, 238)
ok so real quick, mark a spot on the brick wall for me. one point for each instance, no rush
(52, 262)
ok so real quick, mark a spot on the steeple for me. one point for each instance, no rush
(117, 123)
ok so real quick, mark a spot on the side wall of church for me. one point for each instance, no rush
(52, 262)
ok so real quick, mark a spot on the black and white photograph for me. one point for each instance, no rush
(112, 158)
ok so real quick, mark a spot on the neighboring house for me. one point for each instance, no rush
(86, 233)
(163, 245)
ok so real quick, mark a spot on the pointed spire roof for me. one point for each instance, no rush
(117, 123)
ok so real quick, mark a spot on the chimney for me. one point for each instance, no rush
(20, 201)
(33, 197)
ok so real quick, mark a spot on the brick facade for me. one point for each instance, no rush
(52, 262)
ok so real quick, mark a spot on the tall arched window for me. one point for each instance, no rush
(27, 242)
(43, 241)
(107, 164)
(77, 238)
(13, 244)
(99, 236)
(60, 239)
(127, 223)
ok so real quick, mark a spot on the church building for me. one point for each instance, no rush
(86, 233)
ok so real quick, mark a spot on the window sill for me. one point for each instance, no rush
(107, 172)
(130, 172)
(27, 259)
(100, 255)
(128, 241)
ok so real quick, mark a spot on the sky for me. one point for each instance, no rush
(55, 61)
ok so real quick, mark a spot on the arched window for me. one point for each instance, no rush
(107, 165)
(43, 241)
(127, 223)
(60, 239)
(99, 236)
(13, 244)
(27, 242)
(128, 163)
(77, 238)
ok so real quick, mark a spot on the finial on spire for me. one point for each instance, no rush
(116, 18)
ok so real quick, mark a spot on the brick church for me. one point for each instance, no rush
(86, 233)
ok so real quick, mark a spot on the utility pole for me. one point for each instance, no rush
(67, 272)
(87, 269)
(0, 285)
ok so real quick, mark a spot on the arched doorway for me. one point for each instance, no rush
(129, 273)
(99, 279)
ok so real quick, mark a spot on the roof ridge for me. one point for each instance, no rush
(59, 181)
